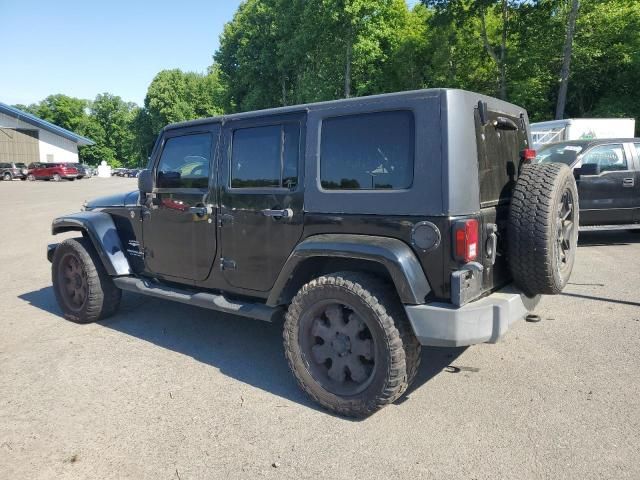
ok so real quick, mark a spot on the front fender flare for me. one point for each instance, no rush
(100, 229)
(393, 254)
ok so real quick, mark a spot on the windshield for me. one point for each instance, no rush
(558, 153)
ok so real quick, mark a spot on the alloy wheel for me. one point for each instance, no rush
(338, 347)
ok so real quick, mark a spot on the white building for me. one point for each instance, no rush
(26, 138)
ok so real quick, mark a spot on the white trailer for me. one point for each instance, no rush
(581, 128)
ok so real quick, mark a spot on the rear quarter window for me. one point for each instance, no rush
(373, 151)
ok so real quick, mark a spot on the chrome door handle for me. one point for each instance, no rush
(628, 182)
(286, 213)
(202, 210)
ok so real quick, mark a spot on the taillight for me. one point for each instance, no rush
(528, 155)
(465, 240)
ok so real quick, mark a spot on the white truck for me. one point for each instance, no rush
(581, 129)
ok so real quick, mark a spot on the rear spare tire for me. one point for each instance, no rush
(543, 228)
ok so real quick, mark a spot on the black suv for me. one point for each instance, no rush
(11, 170)
(377, 224)
(608, 177)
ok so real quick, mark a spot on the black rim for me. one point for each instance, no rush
(338, 347)
(73, 282)
(565, 230)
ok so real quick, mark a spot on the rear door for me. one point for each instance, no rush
(610, 197)
(261, 198)
(179, 228)
(499, 141)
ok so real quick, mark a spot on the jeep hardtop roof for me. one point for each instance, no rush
(451, 93)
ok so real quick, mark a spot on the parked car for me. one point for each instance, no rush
(118, 172)
(133, 173)
(52, 171)
(608, 177)
(378, 224)
(82, 170)
(11, 170)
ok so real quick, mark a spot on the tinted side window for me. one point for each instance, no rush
(608, 157)
(185, 162)
(265, 157)
(367, 152)
(637, 145)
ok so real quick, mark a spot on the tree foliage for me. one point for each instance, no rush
(283, 52)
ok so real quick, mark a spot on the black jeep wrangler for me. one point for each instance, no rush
(378, 224)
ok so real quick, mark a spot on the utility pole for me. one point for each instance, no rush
(566, 60)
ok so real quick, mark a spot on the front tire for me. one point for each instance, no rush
(7, 176)
(56, 177)
(349, 344)
(31, 177)
(83, 289)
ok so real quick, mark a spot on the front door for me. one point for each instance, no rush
(609, 197)
(179, 228)
(261, 199)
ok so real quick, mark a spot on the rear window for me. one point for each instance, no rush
(498, 157)
(373, 151)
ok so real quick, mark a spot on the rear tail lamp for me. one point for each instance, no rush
(528, 155)
(465, 240)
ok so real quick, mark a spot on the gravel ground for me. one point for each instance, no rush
(165, 391)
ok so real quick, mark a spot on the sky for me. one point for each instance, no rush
(83, 48)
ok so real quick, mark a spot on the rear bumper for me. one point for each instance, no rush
(485, 320)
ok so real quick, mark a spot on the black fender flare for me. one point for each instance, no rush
(100, 229)
(394, 255)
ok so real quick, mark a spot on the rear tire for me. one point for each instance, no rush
(83, 289)
(349, 344)
(543, 228)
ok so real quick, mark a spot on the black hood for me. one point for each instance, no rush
(118, 200)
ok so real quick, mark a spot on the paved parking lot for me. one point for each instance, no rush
(164, 391)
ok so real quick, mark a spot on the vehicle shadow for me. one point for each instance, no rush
(247, 350)
(601, 238)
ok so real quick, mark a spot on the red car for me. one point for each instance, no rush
(52, 171)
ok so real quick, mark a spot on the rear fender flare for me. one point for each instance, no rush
(100, 229)
(394, 255)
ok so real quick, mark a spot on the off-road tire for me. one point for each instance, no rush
(7, 176)
(102, 297)
(397, 349)
(533, 231)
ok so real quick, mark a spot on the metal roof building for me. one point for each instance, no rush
(26, 138)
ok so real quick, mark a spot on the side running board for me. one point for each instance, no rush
(199, 299)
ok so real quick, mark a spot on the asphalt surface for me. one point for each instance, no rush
(166, 391)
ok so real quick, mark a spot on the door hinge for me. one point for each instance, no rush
(227, 264)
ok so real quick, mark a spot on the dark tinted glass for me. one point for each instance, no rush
(367, 152)
(290, 162)
(20, 165)
(255, 159)
(185, 162)
(265, 157)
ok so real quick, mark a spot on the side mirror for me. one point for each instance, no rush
(588, 169)
(145, 181)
